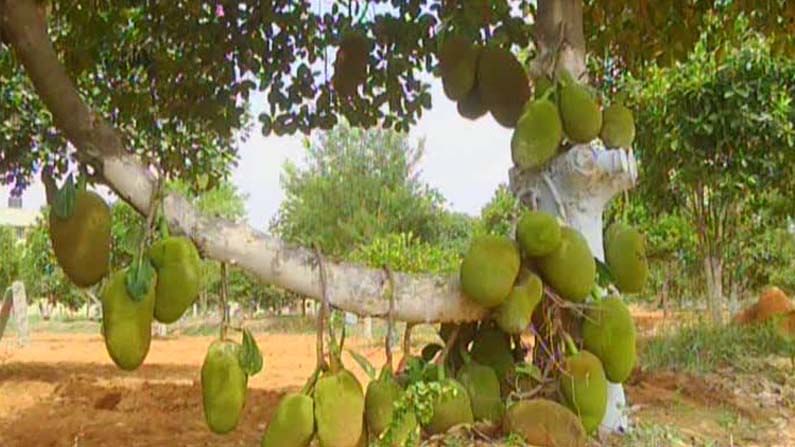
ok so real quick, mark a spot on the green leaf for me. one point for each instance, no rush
(139, 280)
(250, 355)
(530, 370)
(363, 363)
(603, 273)
(64, 204)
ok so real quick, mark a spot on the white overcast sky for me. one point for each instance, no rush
(465, 160)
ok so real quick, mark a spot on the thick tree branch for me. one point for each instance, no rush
(418, 298)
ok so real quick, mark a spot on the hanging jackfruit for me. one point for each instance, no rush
(178, 276)
(579, 112)
(503, 84)
(483, 386)
(537, 135)
(292, 424)
(544, 423)
(489, 269)
(126, 323)
(584, 387)
(625, 255)
(379, 404)
(339, 409)
(618, 126)
(570, 270)
(81, 240)
(538, 233)
(224, 386)
(452, 408)
(458, 60)
(492, 348)
(515, 313)
(609, 333)
(471, 106)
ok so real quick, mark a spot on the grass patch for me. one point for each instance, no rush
(703, 347)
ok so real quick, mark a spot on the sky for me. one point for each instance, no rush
(465, 160)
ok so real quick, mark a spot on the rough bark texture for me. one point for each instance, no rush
(713, 271)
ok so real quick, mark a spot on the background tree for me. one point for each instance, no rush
(9, 265)
(716, 133)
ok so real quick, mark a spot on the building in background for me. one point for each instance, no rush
(16, 217)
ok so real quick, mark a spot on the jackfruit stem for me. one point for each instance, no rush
(224, 297)
(309, 386)
(571, 347)
(322, 316)
(390, 328)
(440, 361)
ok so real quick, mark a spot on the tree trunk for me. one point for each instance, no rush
(577, 185)
(713, 276)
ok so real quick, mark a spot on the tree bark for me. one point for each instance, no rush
(713, 274)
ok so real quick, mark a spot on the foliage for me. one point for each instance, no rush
(499, 215)
(403, 252)
(357, 185)
(703, 347)
(10, 264)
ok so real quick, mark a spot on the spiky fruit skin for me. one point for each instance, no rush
(292, 424)
(609, 333)
(570, 270)
(625, 254)
(538, 233)
(618, 126)
(584, 386)
(545, 423)
(451, 408)
(483, 386)
(489, 270)
(339, 406)
(126, 324)
(378, 400)
(537, 135)
(458, 61)
(503, 84)
(471, 106)
(350, 65)
(492, 348)
(81, 242)
(223, 386)
(178, 276)
(579, 112)
(515, 313)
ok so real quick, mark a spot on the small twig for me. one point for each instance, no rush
(448, 346)
(406, 345)
(555, 195)
(224, 298)
(390, 327)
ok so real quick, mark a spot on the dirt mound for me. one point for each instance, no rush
(771, 303)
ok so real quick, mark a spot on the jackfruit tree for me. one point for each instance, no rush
(137, 93)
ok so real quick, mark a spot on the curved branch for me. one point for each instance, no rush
(418, 298)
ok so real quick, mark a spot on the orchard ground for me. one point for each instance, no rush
(63, 390)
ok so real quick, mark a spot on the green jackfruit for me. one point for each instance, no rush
(609, 333)
(625, 255)
(292, 424)
(379, 404)
(458, 60)
(570, 270)
(451, 408)
(178, 276)
(350, 65)
(514, 314)
(472, 107)
(224, 386)
(483, 386)
(618, 126)
(489, 269)
(537, 135)
(544, 423)
(339, 409)
(538, 233)
(81, 242)
(492, 347)
(503, 84)
(579, 112)
(584, 386)
(126, 323)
